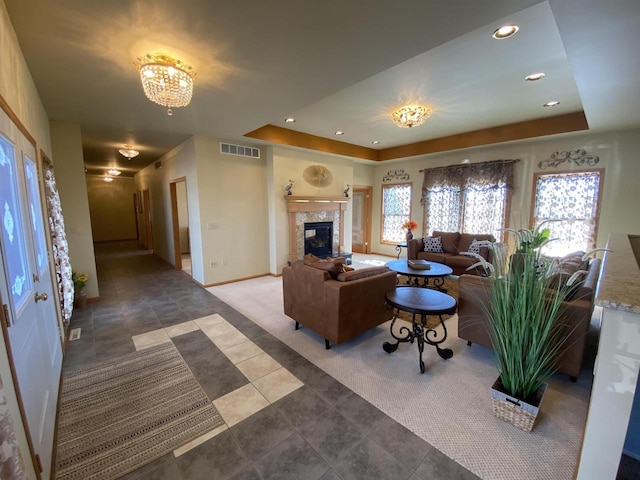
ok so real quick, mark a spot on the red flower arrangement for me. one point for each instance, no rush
(411, 225)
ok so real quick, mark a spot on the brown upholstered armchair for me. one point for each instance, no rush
(341, 308)
(472, 322)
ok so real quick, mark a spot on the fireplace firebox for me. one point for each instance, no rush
(318, 239)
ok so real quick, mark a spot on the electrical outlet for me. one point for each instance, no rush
(213, 264)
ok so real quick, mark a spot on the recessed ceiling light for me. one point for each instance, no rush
(534, 76)
(552, 103)
(505, 31)
(376, 142)
(339, 132)
(290, 120)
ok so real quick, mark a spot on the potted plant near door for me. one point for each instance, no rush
(524, 315)
(79, 295)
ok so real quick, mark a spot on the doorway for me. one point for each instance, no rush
(361, 230)
(180, 221)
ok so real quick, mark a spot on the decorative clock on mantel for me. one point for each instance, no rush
(318, 176)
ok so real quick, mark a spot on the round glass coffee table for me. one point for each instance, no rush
(432, 278)
(420, 302)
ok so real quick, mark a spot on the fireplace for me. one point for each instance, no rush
(318, 239)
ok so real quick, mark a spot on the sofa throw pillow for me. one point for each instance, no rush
(433, 244)
(334, 268)
(310, 258)
(474, 247)
(361, 273)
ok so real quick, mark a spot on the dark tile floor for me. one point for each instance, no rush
(320, 431)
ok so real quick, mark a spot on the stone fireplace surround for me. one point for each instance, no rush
(314, 209)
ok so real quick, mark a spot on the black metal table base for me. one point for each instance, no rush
(423, 282)
(422, 334)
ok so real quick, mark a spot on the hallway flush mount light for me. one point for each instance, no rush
(166, 81)
(410, 116)
(114, 172)
(108, 179)
(128, 152)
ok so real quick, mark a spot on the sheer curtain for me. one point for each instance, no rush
(58, 242)
(468, 198)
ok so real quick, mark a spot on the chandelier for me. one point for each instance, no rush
(128, 152)
(410, 116)
(166, 81)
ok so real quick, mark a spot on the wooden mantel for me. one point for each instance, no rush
(313, 204)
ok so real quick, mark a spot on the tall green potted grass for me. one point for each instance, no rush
(524, 317)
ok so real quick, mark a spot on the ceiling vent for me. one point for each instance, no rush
(239, 150)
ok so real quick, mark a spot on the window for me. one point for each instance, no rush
(572, 201)
(396, 209)
(468, 198)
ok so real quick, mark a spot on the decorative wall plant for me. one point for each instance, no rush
(577, 156)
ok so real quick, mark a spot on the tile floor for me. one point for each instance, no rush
(284, 417)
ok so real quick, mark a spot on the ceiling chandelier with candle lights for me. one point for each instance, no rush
(166, 81)
(410, 116)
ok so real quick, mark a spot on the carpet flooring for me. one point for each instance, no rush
(118, 415)
(448, 406)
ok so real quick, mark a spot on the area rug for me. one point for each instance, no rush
(118, 415)
(450, 287)
(449, 406)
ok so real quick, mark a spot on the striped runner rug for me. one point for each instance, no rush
(118, 415)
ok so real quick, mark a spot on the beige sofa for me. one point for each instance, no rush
(338, 308)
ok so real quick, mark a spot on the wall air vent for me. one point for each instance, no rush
(158, 164)
(239, 150)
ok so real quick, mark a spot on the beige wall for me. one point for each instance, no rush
(19, 92)
(618, 156)
(66, 144)
(233, 213)
(111, 208)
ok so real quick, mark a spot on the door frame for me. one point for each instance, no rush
(146, 216)
(5, 321)
(367, 213)
(175, 221)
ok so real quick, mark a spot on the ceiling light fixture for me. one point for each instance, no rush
(114, 172)
(339, 132)
(290, 120)
(534, 76)
(376, 142)
(166, 81)
(128, 152)
(505, 31)
(108, 179)
(410, 116)
(553, 103)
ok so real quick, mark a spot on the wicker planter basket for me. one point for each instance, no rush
(514, 411)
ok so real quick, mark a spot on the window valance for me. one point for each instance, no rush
(477, 176)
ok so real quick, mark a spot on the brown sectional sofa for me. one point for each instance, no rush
(452, 244)
(472, 322)
(338, 308)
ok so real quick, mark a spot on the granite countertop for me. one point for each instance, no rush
(619, 287)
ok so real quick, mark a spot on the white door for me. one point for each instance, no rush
(27, 290)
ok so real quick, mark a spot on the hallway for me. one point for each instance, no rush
(320, 429)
